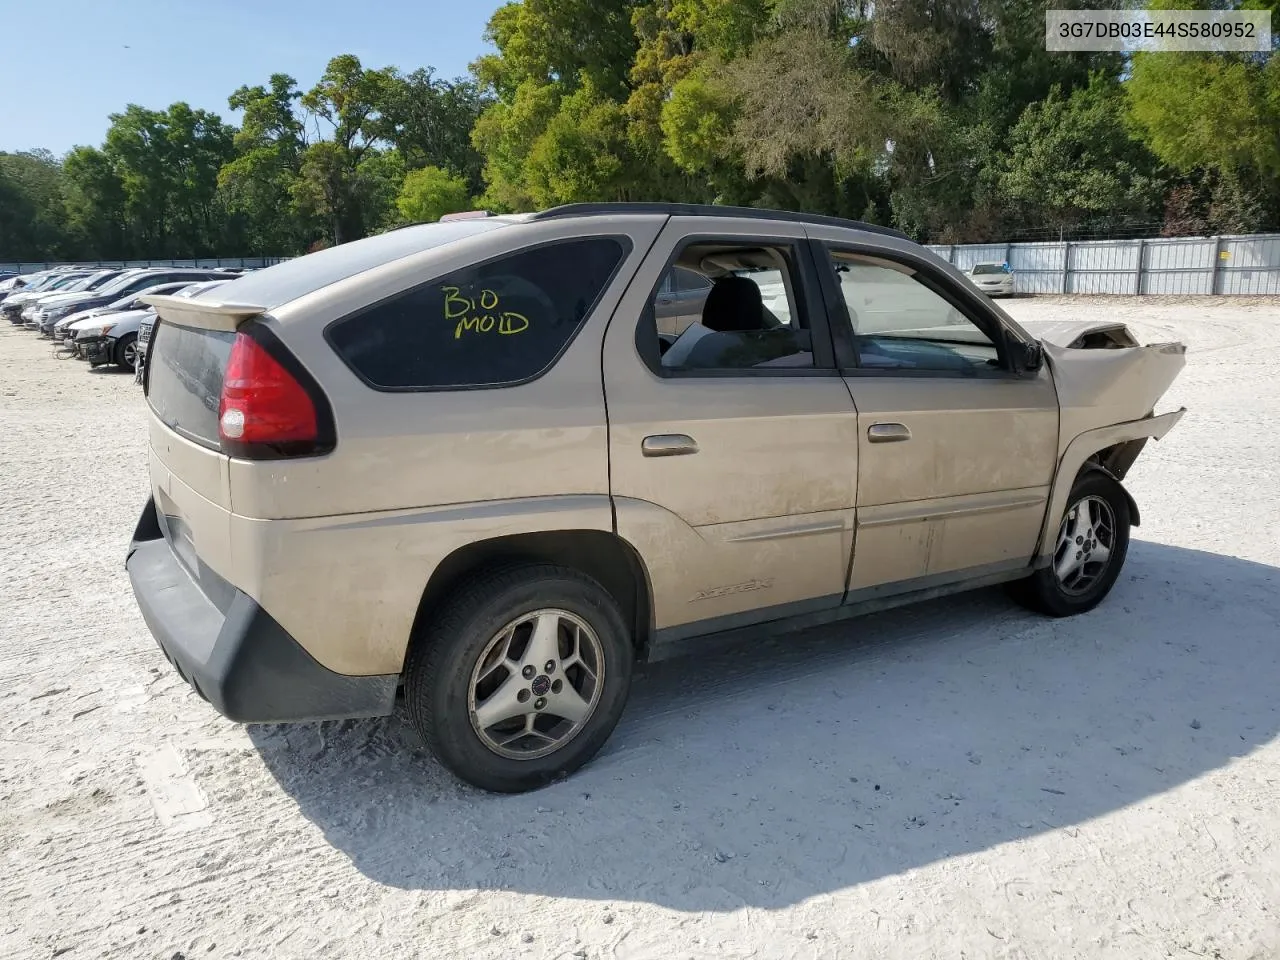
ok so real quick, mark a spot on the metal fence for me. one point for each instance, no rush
(1231, 265)
(1174, 265)
(29, 266)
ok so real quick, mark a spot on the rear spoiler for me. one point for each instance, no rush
(204, 314)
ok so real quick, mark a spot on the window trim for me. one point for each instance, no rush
(804, 280)
(625, 246)
(932, 278)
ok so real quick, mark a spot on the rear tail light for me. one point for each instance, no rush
(270, 407)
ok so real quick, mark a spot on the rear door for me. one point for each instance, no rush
(733, 469)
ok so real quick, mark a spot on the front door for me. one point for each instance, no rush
(956, 450)
(733, 452)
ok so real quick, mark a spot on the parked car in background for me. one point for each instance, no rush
(56, 327)
(148, 323)
(12, 285)
(993, 279)
(113, 339)
(454, 459)
(55, 282)
(125, 283)
(110, 339)
(35, 313)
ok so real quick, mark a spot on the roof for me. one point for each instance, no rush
(709, 210)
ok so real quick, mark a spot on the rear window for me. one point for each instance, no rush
(184, 378)
(497, 323)
(277, 285)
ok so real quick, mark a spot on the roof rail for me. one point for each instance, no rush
(709, 210)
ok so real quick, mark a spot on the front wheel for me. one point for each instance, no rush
(521, 678)
(127, 352)
(1089, 551)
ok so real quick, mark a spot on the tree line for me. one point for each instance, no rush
(944, 118)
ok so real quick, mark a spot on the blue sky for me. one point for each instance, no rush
(66, 66)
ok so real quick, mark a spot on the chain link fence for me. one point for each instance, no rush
(1233, 265)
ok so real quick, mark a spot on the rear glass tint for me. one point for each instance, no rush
(184, 378)
(277, 285)
(501, 322)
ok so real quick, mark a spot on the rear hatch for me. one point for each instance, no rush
(187, 360)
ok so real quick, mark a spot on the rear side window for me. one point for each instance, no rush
(184, 375)
(501, 322)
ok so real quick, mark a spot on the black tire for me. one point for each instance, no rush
(441, 660)
(1044, 592)
(129, 340)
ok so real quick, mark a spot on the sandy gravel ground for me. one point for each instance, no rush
(960, 779)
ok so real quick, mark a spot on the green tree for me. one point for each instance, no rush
(430, 121)
(332, 183)
(33, 221)
(96, 205)
(257, 185)
(429, 193)
(168, 163)
(1072, 159)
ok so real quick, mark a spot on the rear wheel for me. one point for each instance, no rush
(1089, 552)
(521, 678)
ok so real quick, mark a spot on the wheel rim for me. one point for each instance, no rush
(131, 355)
(1086, 541)
(536, 684)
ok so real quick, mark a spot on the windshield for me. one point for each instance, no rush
(989, 268)
(122, 281)
(97, 280)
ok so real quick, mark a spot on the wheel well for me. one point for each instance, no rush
(1099, 463)
(604, 557)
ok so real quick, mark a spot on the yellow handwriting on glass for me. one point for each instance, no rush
(482, 315)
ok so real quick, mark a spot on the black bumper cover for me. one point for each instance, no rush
(242, 661)
(99, 350)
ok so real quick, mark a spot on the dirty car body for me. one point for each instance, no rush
(469, 460)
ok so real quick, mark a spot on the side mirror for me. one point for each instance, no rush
(1032, 356)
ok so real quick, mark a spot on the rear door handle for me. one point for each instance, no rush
(668, 445)
(888, 433)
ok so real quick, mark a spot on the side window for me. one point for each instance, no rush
(731, 306)
(501, 322)
(686, 281)
(901, 324)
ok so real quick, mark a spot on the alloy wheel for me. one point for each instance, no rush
(536, 684)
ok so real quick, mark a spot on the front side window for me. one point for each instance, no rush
(739, 311)
(501, 322)
(901, 324)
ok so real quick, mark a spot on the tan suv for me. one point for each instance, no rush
(465, 460)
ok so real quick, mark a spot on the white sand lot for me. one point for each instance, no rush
(961, 779)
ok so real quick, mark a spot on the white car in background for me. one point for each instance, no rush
(59, 329)
(110, 339)
(993, 279)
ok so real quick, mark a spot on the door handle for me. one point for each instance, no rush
(668, 445)
(888, 433)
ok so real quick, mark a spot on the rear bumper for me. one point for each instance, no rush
(235, 654)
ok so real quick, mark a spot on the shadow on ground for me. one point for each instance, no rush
(769, 774)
